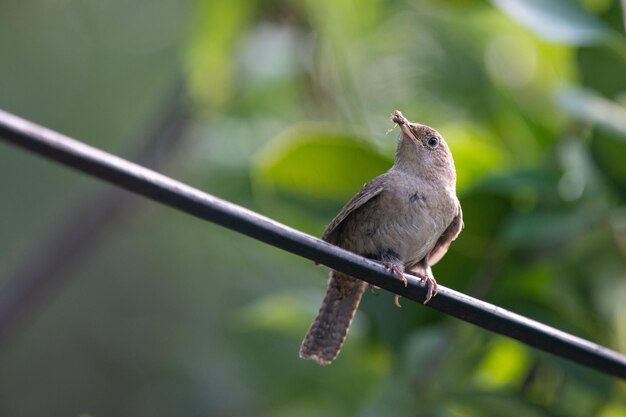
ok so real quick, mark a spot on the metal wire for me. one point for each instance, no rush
(34, 279)
(168, 191)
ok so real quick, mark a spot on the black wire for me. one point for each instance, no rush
(175, 194)
(35, 278)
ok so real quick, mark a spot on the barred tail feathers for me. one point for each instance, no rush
(325, 338)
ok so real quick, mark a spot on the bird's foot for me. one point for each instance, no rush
(398, 270)
(431, 286)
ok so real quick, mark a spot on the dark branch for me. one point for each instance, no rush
(167, 191)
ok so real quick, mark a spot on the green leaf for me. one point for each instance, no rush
(613, 410)
(559, 21)
(216, 28)
(318, 161)
(504, 365)
(283, 312)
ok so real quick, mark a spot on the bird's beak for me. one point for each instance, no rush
(398, 118)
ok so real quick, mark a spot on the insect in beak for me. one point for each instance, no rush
(404, 124)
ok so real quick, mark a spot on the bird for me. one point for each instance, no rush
(405, 219)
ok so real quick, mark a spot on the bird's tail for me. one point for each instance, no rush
(329, 329)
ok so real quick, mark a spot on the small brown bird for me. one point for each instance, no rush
(405, 218)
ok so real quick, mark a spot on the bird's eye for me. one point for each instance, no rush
(432, 141)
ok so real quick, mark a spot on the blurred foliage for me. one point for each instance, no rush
(291, 102)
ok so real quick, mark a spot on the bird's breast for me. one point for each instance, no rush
(416, 218)
(407, 219)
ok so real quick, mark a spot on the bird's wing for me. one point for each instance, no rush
(369, 191)
(448, 235)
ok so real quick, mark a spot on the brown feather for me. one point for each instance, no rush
(369, 191)
(446, 238)
(324, 339)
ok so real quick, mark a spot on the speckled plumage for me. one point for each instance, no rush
(405, 218)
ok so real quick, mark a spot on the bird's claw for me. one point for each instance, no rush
(398, 270)
(431, 286)
(396, 301)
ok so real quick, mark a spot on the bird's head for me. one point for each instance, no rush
(422, 151)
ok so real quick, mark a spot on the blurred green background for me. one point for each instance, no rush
(285, 110)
